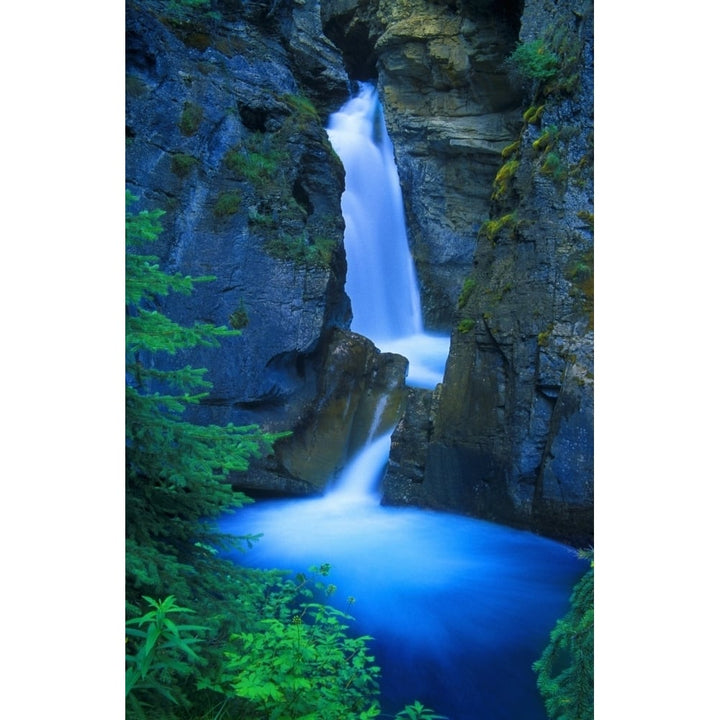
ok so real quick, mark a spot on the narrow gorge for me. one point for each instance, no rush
(225, 130)
(390, 204)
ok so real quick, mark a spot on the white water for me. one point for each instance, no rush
(381, 280)
(460, 608)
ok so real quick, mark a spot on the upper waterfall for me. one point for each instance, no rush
(381, 280)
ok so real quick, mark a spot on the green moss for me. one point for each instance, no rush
(505, 174)
(257, 167)
(544, 336)
(255, 217)
(508, 150)
(466, 325)
(547, 139)
(190, 119)
(533, 114)
(467, 290)
(228, 203)
(302, 105)
(301, 249)
(182, 164)
(582, 276)
(239, 318)
(554, 167)
(491, 228)
(587, 217)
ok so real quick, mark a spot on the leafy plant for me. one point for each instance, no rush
(162, 650)
(417, 711)
(565, 669)
(533, 114)
(177, 476)
(535, 60)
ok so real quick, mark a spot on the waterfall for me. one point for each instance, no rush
(381, 279)
(459, 608)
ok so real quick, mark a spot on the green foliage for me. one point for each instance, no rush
(188, 655)
(505, 174)
(566, 667)
(239, 318)
(417, 711)
(302, 249)
(544, 336)
(535, 60)
(182, 164)
(467, 290)
(158, 650)
(190, 118)
(491, 228)
(547, 139)
(466, 325)
(554, 167)
(303, 106)
(227, 204)
(533, 114)
(510, 149)
(257, 167)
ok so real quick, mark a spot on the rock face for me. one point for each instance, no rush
(511, 430)
(222, 133)
(225, 116)
(449, 109)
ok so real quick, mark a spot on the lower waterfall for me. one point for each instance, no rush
(458, 608)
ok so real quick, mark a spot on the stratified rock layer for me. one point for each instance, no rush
(511, 429)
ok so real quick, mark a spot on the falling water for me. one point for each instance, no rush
(459, 608)
(381, 280)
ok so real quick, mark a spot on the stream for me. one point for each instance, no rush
(459, 608)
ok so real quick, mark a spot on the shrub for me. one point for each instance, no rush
(565, 669)
(535, 61)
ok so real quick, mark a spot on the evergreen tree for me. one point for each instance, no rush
(566, 667)
(205, 637)
(176, 471)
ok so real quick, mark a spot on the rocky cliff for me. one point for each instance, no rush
(510, 431)
(225, 131)
(226, 106)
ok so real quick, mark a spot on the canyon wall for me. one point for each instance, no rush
(224, 130)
